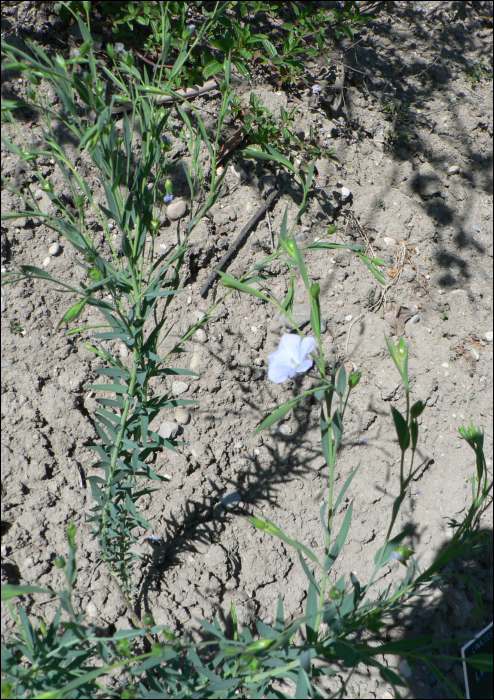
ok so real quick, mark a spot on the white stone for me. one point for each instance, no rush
(349, 317)
(46, 262)
(176, 209)
(474, 354)
(345, 193)
(54, 249)
(123, 351)
(179, 388)
(168, 429)
(389, 241)
(200, 336)
(488, 336)
(453, 169)
(182, 417)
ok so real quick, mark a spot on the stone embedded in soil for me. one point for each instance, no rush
(301, 317)
(168, 429)
(175, 210)
(54, 249)
(179, 388)
(200, 336)
(488, 336)
(182, 417)
(46, 262)
(123, 351)
(230, 499)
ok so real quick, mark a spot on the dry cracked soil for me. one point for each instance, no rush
(414, 142)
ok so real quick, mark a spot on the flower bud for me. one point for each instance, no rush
(154, 225)
(168, 186)
(94, 274)
(314, 290)
(354, 379)
(417, 409)
(290, 247)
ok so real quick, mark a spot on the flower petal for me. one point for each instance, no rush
(279, 371)
(290, 344)
(306, 346)
(304, 366)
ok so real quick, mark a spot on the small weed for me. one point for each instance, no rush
(16, 329)
(479, 71)
(381, 204)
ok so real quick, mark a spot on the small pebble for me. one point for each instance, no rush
(345, 194)
(46, 262)
(179, 388)
(476, 228)
(200, 336)
(488, 336)
(445, 364)
(349, 317)
(453, 169)
(230, 499)
(175, 210)
(54, 249)
(182, 417)
(123, 351)
(474, 354)
(268, 620)
(415, 319)
(168, 429)
(389, 241)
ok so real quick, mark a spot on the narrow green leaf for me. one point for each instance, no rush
(401, 429)
(371, 267)
(229, 281)
(280, 615)
(275, 416)
(340, 539)
(311, 612)
(309, 573)
(341, 381)
(270, 528)
(345, 487)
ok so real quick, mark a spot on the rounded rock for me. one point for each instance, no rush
(349, 317)
(230, 499)
(46, 262)
(168, 429)
(123, 351)
(179, 388)
(488, 336)
(182, 417)
(54, 249)
(200, 336)
(176, 210)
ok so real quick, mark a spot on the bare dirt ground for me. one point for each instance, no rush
(414, 139)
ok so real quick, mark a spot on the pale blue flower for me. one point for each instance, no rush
(290, 357)
(167, 198)
(316, 89)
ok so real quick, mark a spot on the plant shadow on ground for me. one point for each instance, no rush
(391, 81)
